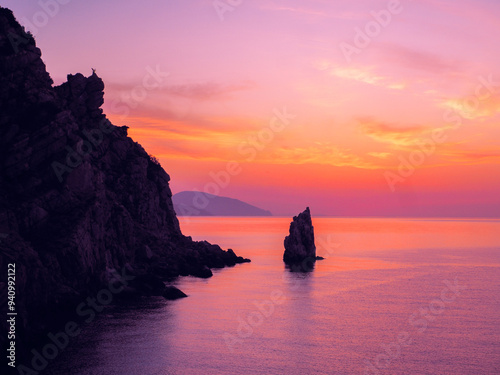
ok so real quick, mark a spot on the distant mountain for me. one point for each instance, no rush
(195, 203)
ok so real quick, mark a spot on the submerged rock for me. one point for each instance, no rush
(299, 244)
(172, 293)
(203, 272)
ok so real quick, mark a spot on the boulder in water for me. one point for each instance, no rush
(172, 293)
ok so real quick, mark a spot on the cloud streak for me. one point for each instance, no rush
(208, 90)
(472, 108)
(359, 74)
(412, 58)
(397, 136)
(323, 154)
(195, 91)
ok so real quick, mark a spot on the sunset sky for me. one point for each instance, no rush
(367, 86)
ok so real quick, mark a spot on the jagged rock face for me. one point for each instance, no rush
(299, 244)
(77, 196)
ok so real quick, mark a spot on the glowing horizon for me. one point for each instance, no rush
(366, 108)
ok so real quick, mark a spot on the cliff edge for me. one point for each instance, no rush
(79, 199)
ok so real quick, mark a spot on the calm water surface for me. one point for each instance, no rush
(393, 296)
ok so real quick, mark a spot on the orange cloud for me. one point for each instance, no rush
(472, 107)
(189, 139)
(480, 155)
(380, 155)
(321, 153)
(395, 136)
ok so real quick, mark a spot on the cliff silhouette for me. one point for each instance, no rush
(78, 197)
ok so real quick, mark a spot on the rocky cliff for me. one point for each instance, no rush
(78, 197)
(299, 244)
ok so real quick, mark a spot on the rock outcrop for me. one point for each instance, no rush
(79, 199)
(172, 293)
(299, 244)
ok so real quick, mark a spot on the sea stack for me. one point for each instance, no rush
(299, 244)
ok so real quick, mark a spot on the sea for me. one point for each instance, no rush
(392, 296)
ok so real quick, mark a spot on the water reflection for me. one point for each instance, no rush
(307, 265)
(116, 338)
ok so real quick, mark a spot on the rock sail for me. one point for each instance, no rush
(299, 244)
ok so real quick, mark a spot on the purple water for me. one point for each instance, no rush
(393, 296)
